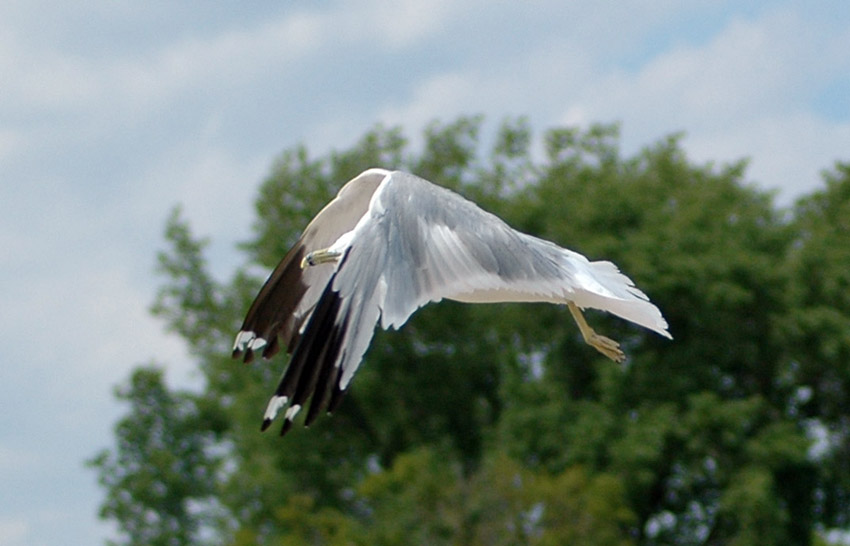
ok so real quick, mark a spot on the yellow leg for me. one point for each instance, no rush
(317, 257)
(604, 345)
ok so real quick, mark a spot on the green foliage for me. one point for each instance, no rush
(818, 328)
(425, 498)
(161, 477)
(496, 424)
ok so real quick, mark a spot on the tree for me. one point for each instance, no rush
(161, 477)
(818, 327)
(495, 424)
(679, 419)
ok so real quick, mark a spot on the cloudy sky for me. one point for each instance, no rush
(112, 112)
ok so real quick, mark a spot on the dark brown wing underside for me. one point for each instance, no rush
(272, 315)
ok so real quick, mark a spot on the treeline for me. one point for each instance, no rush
(495, 424)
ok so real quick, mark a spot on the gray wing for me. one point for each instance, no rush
(420, 243)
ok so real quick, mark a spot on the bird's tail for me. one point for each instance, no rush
(610, 290)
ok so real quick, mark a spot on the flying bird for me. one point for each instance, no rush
(386, 245)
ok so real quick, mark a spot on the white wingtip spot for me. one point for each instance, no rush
(275, 404)
(257, 343)
(243, 339)
(292, 412)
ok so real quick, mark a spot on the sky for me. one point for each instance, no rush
(113, 112)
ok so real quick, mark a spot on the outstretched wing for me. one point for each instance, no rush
(444, 246)
(291, 293)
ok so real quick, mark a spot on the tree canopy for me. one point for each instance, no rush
(495, 424)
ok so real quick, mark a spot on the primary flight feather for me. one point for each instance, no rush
(389, 243)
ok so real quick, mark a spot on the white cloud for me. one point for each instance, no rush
(75, 310)
(233, 56)
(788, 152)
(439, 96)
(16, 461)
(13, 531)
(741, 94)
(11, 142)
(403, 23)
(36, 78)
(744, 92)
(99, 316)
(215, 190)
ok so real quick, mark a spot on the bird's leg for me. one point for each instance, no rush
(322, 256)
(604, 345)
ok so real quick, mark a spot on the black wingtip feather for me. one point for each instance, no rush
(315, 355)
(329, 374)
(336, 399)
(266, 424)
(287, 426)
(303, 356)
(324, 393)
(272, 348)
(322, 350)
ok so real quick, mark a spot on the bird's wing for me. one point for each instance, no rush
(291, 293)
(418, 243)
(444, 246)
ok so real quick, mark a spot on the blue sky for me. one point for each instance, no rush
(113, 112)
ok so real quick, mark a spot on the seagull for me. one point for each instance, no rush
(389, 243)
